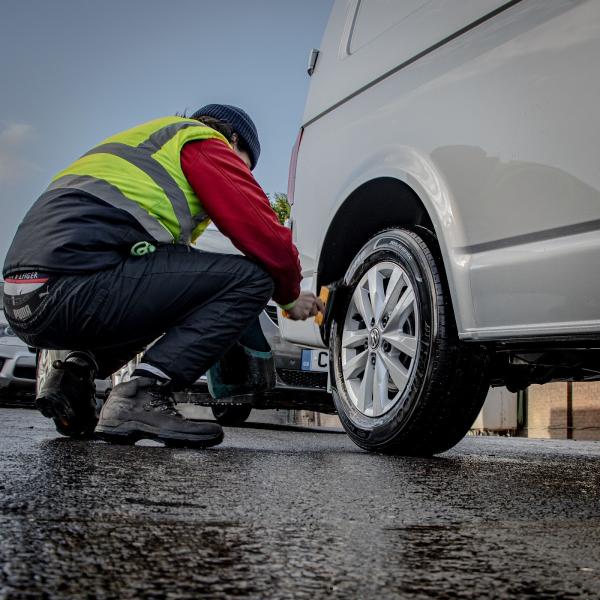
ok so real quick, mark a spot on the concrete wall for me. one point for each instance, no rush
(547, 411)
(586, 411)
(562, 410)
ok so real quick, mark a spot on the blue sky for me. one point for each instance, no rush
(73, 72)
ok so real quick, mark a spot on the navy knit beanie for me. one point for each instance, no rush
(240, 121)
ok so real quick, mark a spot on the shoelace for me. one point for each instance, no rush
(162, 399)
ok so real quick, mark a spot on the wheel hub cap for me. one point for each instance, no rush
(374, 338)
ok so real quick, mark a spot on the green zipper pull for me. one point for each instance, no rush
(142, 248)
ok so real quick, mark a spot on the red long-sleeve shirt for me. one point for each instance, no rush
(240, 209)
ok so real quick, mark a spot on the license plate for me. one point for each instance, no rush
(314, 360)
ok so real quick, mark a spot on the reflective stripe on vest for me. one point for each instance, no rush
(113, 196)
(147, 188)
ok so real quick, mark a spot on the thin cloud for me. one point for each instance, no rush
(15, 166)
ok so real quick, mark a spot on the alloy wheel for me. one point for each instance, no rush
(380, 339)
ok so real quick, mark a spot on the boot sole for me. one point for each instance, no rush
(56, 406)
(132, 431)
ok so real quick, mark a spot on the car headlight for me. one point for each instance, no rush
(6, 331)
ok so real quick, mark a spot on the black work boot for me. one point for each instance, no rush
(68, 395)
(143, 408)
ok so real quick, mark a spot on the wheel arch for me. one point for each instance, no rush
(388, 201)
(375, 205)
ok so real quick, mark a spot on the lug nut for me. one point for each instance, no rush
(373, 360)
(387, 346)
(372, 322)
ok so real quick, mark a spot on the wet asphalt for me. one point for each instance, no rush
(285, 513)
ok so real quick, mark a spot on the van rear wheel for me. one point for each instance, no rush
(403, 382)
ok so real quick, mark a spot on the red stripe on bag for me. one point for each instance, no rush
(9, 280)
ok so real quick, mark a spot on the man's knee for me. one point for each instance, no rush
(265, 284)
(259, 281)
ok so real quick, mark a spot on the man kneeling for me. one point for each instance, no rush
(102, 265)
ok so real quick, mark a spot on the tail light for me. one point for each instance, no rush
(293, 162)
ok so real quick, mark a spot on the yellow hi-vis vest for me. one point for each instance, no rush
(139, 171)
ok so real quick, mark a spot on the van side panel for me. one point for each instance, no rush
(496, 131)
(367, 38)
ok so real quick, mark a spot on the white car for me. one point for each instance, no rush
(17, 364)
(446, 178)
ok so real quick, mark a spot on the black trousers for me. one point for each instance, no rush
(202, 303)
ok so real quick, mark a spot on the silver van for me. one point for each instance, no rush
(446, 179)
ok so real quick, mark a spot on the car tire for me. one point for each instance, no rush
(421, 388)
(231, 416)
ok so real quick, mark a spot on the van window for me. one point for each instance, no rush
(374, 17)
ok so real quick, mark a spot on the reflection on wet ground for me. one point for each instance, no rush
(294, 514)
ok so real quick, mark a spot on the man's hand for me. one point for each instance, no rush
(307, 305)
